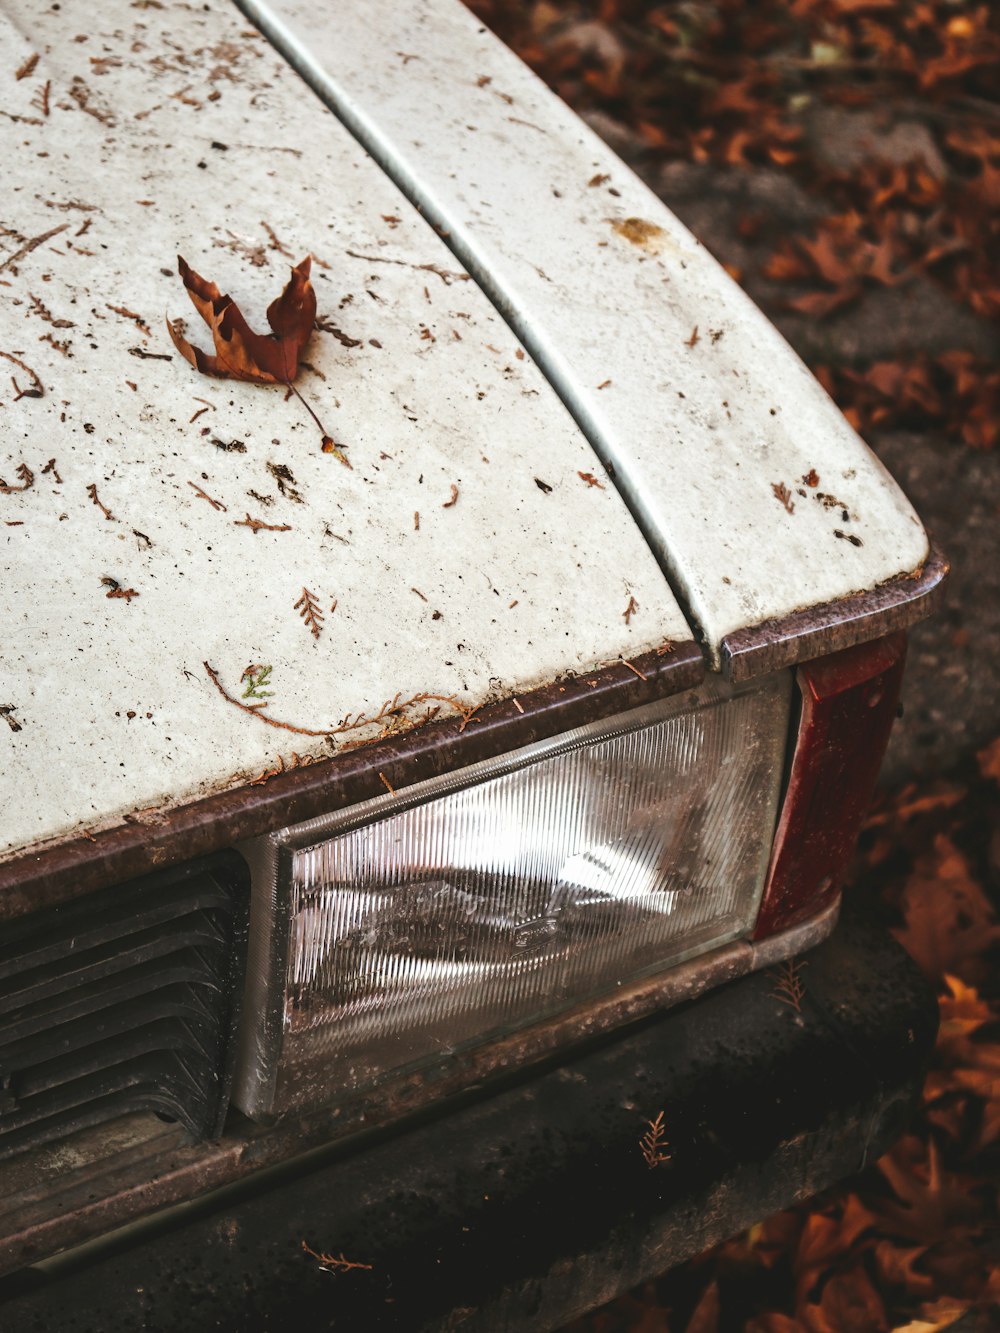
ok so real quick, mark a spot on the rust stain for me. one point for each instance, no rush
(637, 231)
(447, 276)
(297, 761)
(895, 604)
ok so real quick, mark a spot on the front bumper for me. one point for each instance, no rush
(523, 1207)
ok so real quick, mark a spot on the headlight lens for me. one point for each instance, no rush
(396, 932)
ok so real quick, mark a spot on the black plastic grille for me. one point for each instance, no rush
(123, 1000)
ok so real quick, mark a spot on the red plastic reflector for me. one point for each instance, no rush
(848, 704)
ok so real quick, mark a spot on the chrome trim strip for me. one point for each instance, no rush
(818, 630)
(35, 877)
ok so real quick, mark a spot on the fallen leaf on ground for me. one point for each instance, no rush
(705, 1318)
(827, 1238)
(934, 1317)
(774, 1322)
(897, 1267)
(932, 1202)
(989, 760)
(949, 919)
(849, 1304)
(962, 1013)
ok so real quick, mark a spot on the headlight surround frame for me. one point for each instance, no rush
(268, 1082)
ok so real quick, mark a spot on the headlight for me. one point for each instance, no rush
(390, 935)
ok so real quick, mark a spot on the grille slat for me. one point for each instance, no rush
(79, 929)
(63, 1040)
(132, 984)
(76, 968)
(131, 1090)
(76, 975)
(122, 1061)
(123, 1000)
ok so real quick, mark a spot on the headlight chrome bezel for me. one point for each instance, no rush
(268, 1018)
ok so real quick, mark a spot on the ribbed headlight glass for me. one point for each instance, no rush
(394, 933)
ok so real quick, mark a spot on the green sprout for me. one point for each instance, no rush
(256, 678)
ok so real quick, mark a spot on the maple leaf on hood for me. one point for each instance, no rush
(241, 354)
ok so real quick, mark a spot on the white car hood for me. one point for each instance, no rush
(756, 495)
(476, 548)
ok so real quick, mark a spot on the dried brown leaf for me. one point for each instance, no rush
(775, 1236)
(818, 304)
(937, 1315)
(950, 922)
(827, 1238)
(989, 760)
(932, 1203)
(705, 1316)
(897, 1266)
(962, 1013)
(849, 1304)
(774, 1322)
(240, 353)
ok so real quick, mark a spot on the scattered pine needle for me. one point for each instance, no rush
(789, 987)
(654, 1143)
(336, 1263)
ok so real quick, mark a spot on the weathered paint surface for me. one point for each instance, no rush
(132, 485)
(756, 494)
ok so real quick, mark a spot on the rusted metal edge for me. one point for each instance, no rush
(80, 863)
(101, 1197)
(894, 605)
